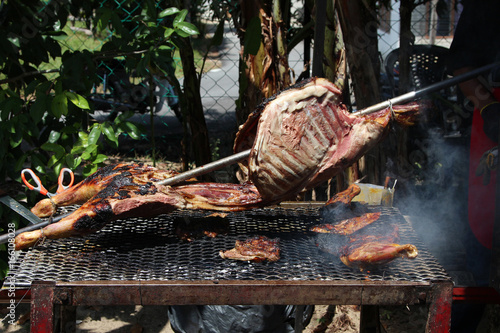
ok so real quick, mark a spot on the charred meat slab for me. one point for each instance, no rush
(257, 249)
(347, 226)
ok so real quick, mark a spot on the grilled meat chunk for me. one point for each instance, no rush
(345, 197)
(347, 226)
(255, 249)
(90, 186)
(305, 136)
(341, 207)
(372, 248)
(373, 254)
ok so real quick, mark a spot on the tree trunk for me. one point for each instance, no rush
(359, 29)
(406, 40)
(196, 134)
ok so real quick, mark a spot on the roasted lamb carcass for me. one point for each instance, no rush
(304, 136)
(90, 186)
(128, 197)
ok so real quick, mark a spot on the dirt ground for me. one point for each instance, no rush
(145, 319)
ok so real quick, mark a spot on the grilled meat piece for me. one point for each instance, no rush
(345, 197)
(373, 254)
(255, 249)
(124, 198)
(305, 136)
(347, 226)
(90, 186)
(373, 247)
(341, 207)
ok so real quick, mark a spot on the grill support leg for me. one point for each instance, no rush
(42, 307)
(439, 317)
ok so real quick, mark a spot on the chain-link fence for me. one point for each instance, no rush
(120, 90)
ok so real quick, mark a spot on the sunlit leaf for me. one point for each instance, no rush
(78, 100)
(54, 136)
(187, 28)
(168, 12)
(94, 135)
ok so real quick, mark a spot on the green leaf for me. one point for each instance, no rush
(16, 139)
(89, 151)
(94, 135)
(10, 107)
(60, 105)
(54, 160)
(168, 12)
(84, 137)
(77, 149)
(218, 35)
(131, 130)
(54, 136)
(103, 21)
(38, 108)
(89, 169)
(20, 162)
(253, 36)
(58, 150)
(37, 163)
(73, 162)
(187, 28)
(78, 100)
(168, 32)
(100, 158)
(181, 16)
(109, 132)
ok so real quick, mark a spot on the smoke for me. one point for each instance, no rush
(432, 188)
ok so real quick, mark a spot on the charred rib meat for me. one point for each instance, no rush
(305, 136)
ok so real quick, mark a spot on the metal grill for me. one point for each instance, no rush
(140, 249)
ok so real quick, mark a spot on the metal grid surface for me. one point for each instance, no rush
(139, 249)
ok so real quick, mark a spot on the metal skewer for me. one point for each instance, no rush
(219, 164)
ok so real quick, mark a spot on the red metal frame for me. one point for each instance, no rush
(45, 296)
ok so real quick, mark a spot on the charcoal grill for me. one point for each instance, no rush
(138, 261)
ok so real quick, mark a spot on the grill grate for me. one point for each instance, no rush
(139, 249)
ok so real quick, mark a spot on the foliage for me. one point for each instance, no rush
(46, 117)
